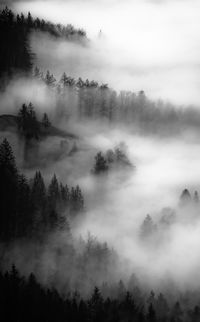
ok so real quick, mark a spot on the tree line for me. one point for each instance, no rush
(112, 158)
(29, 206)
(24, 299)
(87, 99)
(28, 124)
(149, 228)
(15, 49)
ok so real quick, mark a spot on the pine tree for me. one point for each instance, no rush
(38, 191)
(27, 122)
(185, 198)
(76, 200)
(38, 202)
(53, 191)
(37, 73)
(53, 202)
(8, 190)
(101, 165)
(176, 312)
(95, 305)
(151, 315)
(148, 227)
(64, 196)
(162, 308)
(196, 197)
(29, 20)
(45, 121)
(7, 159)
(64, 79)
(49, 79)
(24, 210)
(14, 50)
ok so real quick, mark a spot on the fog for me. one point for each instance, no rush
(117, 203)
(149, 45)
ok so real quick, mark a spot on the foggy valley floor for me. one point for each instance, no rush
(99, 207)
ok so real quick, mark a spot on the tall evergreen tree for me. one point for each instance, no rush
(53, 201)
(39, 201)
(76, 200)
(45, 121)
(8, 190)
(196, 197)
(24, 209)
(148, 228)
(27, 122)
(49, 79)
(101, 165)
(185, 198)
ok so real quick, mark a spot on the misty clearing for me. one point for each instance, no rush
(99, 161)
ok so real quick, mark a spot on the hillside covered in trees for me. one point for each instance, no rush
(15, 52)
(92, 227)
(25, 299)
(30, 208)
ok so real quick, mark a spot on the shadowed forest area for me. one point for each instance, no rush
(15, 51)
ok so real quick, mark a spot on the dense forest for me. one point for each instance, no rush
(25, 299)
(30, 208)
(15, 49)
(90, 100)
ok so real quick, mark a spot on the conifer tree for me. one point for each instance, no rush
(76, 200)
(45, 121)
(27, 122)
(24, 209)
(49, 79)
(147, 228)
(185, 198)
(38, 202)
(196, 197)
(8, 190)
(101, 165)
(38, 191)
(53, 201)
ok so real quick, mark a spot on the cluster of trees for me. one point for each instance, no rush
(24, 299)
(149, 228)
(66, 81)
(68, 32)
(30, 207)
(28, 123)
(15, 50)
(94, 101)
(116, 157)
(187, 199)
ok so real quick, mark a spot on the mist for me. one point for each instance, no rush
(149, 45)
(163, 167)
(154, 49)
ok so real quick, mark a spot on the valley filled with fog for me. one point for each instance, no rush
(100, 153)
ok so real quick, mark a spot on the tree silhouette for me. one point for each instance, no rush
(45, 121)
(147, 228)
(15, 50)
(27, 122)
(8, 190)
(49, 79)
(196, 197)
(24, 209)
(76, 200)
(185, 198)
(101, 165)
